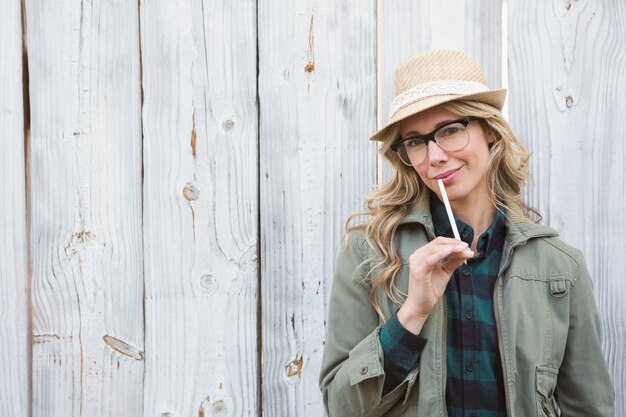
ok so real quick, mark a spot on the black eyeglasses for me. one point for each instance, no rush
(452, 136)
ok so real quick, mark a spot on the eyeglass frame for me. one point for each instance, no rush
(428, 137)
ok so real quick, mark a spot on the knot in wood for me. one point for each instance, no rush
(219, 409)
(208, 283)
(228, 125)
(191, 192)
(569, 101)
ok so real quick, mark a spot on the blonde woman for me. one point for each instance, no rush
(501, 323)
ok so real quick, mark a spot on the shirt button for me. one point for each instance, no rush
(469, 367)
(364, 370)
(465, 271)
(465, 233)
(469, 315)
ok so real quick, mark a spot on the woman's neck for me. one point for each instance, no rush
(477, 213)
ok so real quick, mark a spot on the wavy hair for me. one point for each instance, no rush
(506, 173)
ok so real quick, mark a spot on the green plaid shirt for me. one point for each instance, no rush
(475, 385)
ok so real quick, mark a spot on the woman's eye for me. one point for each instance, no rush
(450, 130)
(413, 142)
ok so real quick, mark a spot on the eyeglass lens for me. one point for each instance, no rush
(452, 137)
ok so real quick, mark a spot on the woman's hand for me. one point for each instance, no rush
(430, 269)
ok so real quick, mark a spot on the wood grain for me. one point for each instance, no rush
(14, 279)
(200, 208)
(568, 95)
(85, 194)
(164, 233)
(317, 101)
(407, 28)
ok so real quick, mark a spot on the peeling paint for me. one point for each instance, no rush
(310, 66)
(204, 407)
(193, 135)
(295, 367)
(123, 347)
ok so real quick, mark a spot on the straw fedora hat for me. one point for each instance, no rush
(436, 77)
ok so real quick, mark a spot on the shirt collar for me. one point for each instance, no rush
(517, 232)
(492, 238)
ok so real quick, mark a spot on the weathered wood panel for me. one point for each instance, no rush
(14, 300)
(317, 100)
(85, 199)
(568, 102)
(201, 207)
(407, 28)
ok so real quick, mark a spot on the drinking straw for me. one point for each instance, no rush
(446, 203)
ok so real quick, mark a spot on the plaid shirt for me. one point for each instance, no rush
(475, 385)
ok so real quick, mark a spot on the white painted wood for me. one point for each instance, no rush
(567, 101)
(14, 300)
(317, 100)
(200, 208)
(85, 205)
(407, 28)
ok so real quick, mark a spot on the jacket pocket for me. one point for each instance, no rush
(546, 378)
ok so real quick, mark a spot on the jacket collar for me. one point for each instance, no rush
(517, 233)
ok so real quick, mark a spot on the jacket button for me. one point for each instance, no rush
(469, 315)
(465, 233)
(465, 271)
(469, 367)
(364, 370)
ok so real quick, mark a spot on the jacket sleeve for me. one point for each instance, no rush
(584, 386)
(352, 373)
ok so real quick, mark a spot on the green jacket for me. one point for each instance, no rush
(548, 332)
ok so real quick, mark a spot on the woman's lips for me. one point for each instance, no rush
(447, 176)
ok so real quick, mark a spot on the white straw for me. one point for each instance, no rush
(446, 202)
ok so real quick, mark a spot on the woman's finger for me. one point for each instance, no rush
(438, 255)
(453, 263)
(433, 254)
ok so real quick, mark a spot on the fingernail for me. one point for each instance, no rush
(461, 246)
(469, 251)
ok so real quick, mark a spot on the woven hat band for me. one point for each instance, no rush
(435, 88)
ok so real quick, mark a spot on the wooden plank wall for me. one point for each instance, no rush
(317, 105)
(85, 208)
(568, 103)
(200, 208)
(14, 299)
(189, 167)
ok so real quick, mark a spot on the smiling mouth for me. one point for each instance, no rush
(446, 174)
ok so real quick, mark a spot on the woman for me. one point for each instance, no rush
(502, 323)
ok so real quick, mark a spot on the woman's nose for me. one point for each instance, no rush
(436, 155)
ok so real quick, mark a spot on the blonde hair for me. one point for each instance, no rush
(506, 173)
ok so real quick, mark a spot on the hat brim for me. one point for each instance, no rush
(494, 98)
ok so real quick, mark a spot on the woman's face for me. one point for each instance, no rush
(462, 171)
